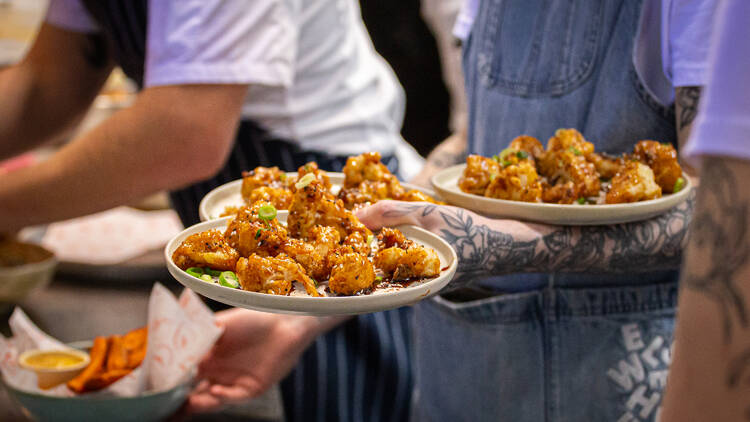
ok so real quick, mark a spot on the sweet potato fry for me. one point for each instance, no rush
(117, 356)
(104, 379)
(98, 355)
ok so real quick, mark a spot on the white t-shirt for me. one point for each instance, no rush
(314, 75)
(723, 123)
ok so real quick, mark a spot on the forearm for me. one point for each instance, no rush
(150, 146)
(48, 93)
(497, 247)
(709, 373)
(448, 153)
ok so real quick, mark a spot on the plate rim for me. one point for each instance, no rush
(440, 187)
(279, 304)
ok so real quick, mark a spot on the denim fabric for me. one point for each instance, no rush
(561, 347)
(555, 354)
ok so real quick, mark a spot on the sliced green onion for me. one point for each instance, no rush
(229, 279)
(575, 151)
(195, 271)
(304, 181)
(267, 212)
(493, 176)
(206, 277)
(522, 154)
(581, 201)
(496, 158)
(678, 185)
(379, 278)
(506, 152)
(369, 239)
(506, 163)
(211, 272)
(257, 234)
(282, 176)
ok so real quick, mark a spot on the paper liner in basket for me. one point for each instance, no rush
(180, 333)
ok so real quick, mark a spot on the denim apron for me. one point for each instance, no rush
(360, 371)
(551, 347)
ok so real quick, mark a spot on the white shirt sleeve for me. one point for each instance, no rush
(220, 41)
(686, 35)
(70, 15)
(723, 123)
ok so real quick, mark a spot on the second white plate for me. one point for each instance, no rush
(446, 185)
(229, 194)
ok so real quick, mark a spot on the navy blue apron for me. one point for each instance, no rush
(360, 371)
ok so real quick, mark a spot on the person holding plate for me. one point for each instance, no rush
(575, 323)
(225, 86)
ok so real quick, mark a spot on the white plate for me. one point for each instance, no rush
(229, 194)
(446, 184)
(379, 300)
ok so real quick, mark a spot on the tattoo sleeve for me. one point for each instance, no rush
(485, 247)
(686, 100)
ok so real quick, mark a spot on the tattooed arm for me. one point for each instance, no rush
(50, 90)
(495, 247)
(686, 107)
(450, 152)
(710, 373)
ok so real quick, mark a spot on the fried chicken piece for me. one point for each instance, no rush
(403, 259)
(312, 167)
(248, 233)
(272, 275)
(634, 183)
(662, 158)
(278, 197)
(607, 166)
(312, 255)
(313, 205)
(478, 174)
(367, 180)
(351, 273)
(262, 176)
(516, 182)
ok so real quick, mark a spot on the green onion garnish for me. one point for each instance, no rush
(506, 163)
(678, 185)
(304, 181)
(229, 279)
(369, 239)
(581, 201)
(496, 158)
(522, 154)
(206, 277)
(493, 176)
(267, 212)
(507, 151)
(379, 278)
(195, 271)
(211, 272)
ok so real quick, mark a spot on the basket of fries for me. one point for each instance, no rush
(142, 375)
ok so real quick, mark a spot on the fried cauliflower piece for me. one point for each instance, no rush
(357, 242)
(569, 139)
(351, 273)
(607, 166)
(205, 249)
(278, 197)
(313, 205)
(262, 176)
(528, 144)
(312, 167)
(478, 174)
(417, 196)
(403, 259)
(634, 183)
(569, 168)
(561, 193)
(249, 234)
(662, 158)
(272, 275)
(367, 180)
(516, 182)
(313, 254)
